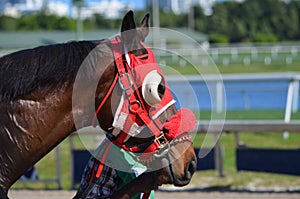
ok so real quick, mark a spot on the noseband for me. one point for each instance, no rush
(134, 113)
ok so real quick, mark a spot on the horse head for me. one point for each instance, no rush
(139, 114)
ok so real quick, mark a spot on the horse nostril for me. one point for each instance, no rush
(191, 168)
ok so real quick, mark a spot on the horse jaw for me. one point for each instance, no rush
(177, 168)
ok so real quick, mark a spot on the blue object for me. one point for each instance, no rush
(284, 161)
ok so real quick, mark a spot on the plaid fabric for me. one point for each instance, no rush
(110, 179)
(101, 187)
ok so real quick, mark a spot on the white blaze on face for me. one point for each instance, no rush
(150, 88)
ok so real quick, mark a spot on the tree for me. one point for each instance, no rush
(244, 21)
(8, 23)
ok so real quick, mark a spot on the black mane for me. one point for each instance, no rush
(24, 71)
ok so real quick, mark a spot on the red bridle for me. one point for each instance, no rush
(133, 113)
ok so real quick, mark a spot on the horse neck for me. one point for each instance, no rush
(31, 127)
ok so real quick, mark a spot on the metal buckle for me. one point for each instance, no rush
(164, 146)
(139, 105)
(162, 141)
(121, 82)
(162, 152)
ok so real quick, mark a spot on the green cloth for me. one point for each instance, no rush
(127, 168)
(129, 176)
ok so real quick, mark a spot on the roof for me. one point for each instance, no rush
(27, 39)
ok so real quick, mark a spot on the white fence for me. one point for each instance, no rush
(241, 54)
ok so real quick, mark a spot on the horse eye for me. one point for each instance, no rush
(161, 90)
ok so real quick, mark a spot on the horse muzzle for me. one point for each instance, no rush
(190, 169)
(175, 178)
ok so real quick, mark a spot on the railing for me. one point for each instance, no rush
(254, 126)
(238, 126)
(243, 126)
(57, 178)
(243, 54)
(221, 87)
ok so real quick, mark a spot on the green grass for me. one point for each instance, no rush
(237, 68)
(47, 170)
(260, 114)
(246, 179)
(183, 66)
(233, 179)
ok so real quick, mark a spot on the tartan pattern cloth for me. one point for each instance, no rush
(102, 187)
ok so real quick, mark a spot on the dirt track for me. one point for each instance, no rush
(26, 194)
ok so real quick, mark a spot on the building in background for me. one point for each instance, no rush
(107, 8)
(183, 6)
(176, 6)
(116, 8)
(16, 8)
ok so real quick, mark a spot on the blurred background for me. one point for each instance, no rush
(255, 45)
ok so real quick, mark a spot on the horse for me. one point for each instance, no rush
(37, 109)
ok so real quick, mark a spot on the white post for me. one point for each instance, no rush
(288, 107)
(79, 23)
(219, 96)
(58, 167)
(155, 13)
(295, 96)
(72, 148)
(191, 20)
(219, 158)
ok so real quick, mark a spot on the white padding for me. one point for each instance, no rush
(150, 88)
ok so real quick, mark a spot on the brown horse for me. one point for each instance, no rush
(37, 113)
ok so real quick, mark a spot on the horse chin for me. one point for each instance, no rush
(180, 183)
(169, 177)
(173, 178)
(165, 174)
(168, 170)
(185, 180)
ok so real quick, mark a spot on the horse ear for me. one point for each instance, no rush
(144, 28)
(128, 31)
(128, 22)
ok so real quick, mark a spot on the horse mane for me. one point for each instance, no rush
(27, 70)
